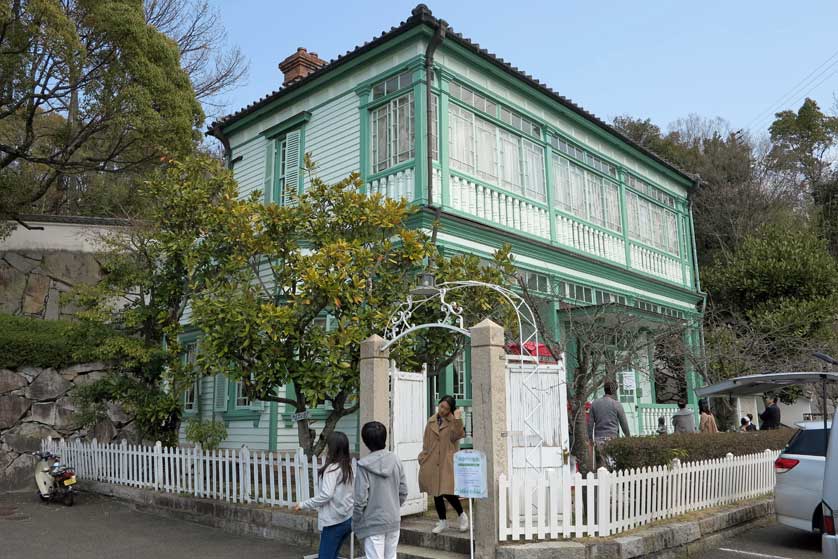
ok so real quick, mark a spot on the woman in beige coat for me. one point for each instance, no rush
(436, 461)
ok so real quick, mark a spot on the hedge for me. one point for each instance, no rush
(637, 452)
(33, 342)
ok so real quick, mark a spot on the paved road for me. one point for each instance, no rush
(769, 542)
(99, 527)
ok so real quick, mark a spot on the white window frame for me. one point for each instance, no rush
(652, 224)
(398, 117)
(190, 394)
(586, 194)
(241, 397)
(492, 154)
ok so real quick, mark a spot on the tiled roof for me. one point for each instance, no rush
(74, 219)
(421, 15)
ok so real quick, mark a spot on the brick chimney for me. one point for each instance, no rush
(299, 65)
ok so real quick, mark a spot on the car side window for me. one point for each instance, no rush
(807, 442)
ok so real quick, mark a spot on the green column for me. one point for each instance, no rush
(420, 132)
(272, 426)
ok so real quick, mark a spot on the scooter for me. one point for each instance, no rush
(55, 480)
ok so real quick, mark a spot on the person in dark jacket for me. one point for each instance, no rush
(771, 416)
(684, 420)
(608, 418)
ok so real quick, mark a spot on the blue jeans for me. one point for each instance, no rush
(332, 537)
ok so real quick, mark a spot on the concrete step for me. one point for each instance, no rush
(415, 552)
(416, 531)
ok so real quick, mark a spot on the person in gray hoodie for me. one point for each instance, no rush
(380, 491)
(683, 420)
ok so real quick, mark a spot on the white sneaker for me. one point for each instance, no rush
(440, 526)
(463, 522)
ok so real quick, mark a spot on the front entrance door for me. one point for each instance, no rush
(408, 417)
(627, 394)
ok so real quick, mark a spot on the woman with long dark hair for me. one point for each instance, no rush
(334, 500)
(436, 461)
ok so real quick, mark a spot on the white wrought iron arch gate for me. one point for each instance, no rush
(537, 422)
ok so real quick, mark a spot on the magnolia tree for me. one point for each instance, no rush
(295, 289)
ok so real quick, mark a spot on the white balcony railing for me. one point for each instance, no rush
(656, 264)
(588, 239)
(499, 207)
(401, 184)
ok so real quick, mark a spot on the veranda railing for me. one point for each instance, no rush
(548, 506)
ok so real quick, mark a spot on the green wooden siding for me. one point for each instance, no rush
(333, 139)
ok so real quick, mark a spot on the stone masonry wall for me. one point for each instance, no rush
(35, 404)
(32, 281)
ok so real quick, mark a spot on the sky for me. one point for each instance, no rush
(741, 60)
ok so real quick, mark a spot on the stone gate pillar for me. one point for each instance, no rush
(488, 387)
(374, 393)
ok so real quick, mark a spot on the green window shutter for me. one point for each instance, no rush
(220, 393)
(270, 162)
(292, 168)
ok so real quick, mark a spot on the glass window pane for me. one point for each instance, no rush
(392, 84)
(405, 80)
(487, 153)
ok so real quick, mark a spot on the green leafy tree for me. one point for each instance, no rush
(803, 144)
(773, 303)
(802, 141)
(86, 87)
(150, 271)
(297, 288)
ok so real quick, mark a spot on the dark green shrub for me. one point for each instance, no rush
(33, 342)
(637, 452)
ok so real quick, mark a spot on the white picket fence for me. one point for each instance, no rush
(235, 475)
(607, 503)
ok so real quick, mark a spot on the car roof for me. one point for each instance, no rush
(813, 425)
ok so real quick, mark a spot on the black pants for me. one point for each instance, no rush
(439, 504)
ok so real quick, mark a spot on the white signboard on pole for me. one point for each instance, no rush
(629, 380)
(470, 474)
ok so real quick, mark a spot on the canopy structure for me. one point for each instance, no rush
(759, 384)
(768, 382)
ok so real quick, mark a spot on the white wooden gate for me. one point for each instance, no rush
(537, 403)
(408, 417)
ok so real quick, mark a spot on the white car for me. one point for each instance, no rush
(830, 497)
(798, 493)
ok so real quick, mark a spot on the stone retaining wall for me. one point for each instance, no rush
(32, 282)
(34, 404)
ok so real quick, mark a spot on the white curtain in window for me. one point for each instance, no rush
(533, 170)
(461, 138)
(487, 151)
(613, 219)
(392, 131)
(510, 162)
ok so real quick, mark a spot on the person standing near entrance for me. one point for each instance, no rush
(607, 419)
(380, 491)
(771, 416)
(334, 500)
(436, 461)
(683, 419)
(707, 423)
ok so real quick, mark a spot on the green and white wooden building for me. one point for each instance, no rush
(591, 216)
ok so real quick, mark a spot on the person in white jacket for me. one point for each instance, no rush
(334, 501)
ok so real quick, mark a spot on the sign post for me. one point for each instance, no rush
(470, 481)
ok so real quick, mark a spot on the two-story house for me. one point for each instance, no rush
(591, 216)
